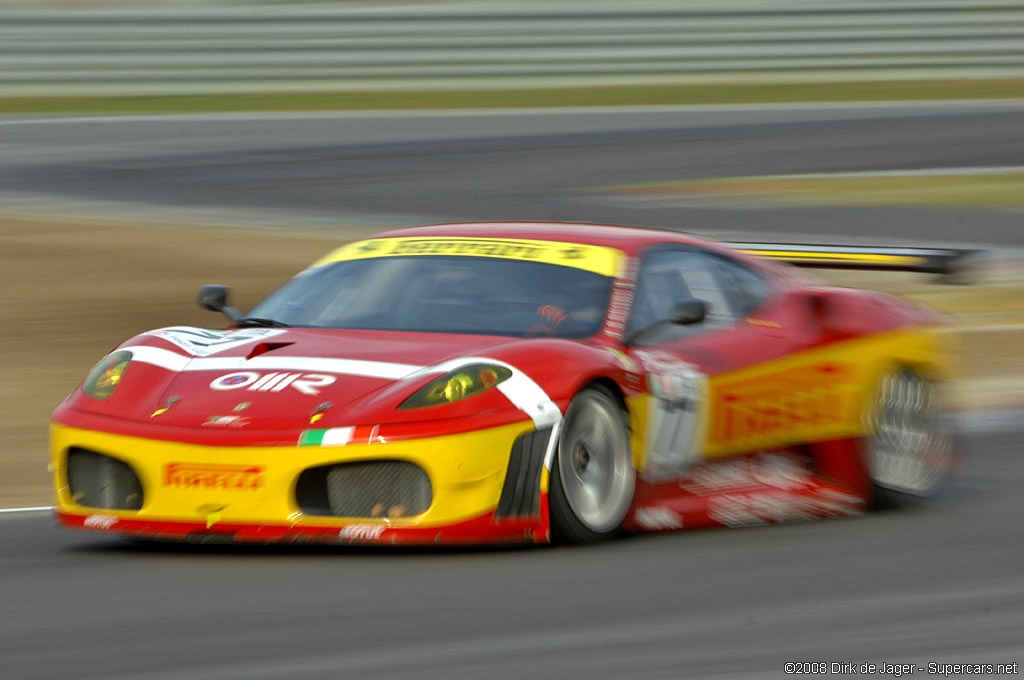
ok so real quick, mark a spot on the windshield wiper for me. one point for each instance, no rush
(253, 321)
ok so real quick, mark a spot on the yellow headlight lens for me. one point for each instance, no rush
(106, 375)
(457, 387)
(465, 382)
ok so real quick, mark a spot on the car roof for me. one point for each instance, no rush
(627, 239)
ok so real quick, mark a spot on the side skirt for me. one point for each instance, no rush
(768, 487)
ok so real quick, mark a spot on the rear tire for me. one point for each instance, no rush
(592, 477)
(909, 449)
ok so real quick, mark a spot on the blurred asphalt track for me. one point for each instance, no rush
(940, 583)
(404, 169)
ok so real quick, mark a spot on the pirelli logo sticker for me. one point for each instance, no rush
(792, 405)
(598, 259)
(198, 476)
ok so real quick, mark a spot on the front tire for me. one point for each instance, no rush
(592, 478)
(910, 451)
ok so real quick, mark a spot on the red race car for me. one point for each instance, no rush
(516, 382)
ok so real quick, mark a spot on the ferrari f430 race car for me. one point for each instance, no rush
(516, 382)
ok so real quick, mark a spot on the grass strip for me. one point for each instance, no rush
(646, 95)
(988, 190)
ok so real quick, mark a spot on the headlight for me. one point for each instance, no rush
(451, 387)
(102, 379)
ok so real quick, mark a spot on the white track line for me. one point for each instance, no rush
(40, 508)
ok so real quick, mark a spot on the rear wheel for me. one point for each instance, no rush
(592, 479)
(909, 448)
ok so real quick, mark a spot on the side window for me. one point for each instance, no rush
(672, 276)
(745, 287)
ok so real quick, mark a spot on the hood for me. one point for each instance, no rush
(268, 379)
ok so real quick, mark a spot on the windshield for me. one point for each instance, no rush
(444, 294)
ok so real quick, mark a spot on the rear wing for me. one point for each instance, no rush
(946, 262)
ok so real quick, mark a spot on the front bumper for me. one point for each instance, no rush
(251, 494)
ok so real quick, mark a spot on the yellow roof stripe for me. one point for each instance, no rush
(598, 259)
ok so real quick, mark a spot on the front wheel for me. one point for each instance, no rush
(593, 478)
(910, 450)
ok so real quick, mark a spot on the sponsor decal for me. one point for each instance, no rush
(738, 510)
(200, 342)
(252, 381)
(660, 361)
(670, 378)
(99, 522)
(226, 421)
(173, 361)
(485, 247)
(623, 290)
(623, 359)
(335, 436)
(676, 412)
(747, 472)
(657, 519)
(783, 403)
(362, 532)
(195, 476)
(597, 259)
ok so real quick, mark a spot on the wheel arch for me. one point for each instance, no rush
(611, 385)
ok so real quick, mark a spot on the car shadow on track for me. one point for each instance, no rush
(148, 547)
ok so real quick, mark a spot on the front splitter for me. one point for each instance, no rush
(484, 530)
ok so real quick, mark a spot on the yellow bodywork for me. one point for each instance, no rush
(254, 484)
(814, 395)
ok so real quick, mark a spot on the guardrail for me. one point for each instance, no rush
(503, 44)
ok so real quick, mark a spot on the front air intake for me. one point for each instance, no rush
(377, 488)
(99, 481)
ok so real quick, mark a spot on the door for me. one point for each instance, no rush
(749, 321)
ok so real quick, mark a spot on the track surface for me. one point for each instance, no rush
(414, 168)
(941, 583)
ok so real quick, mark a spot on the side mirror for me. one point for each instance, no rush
(690, 312)
(215, 298)
(683, 314)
